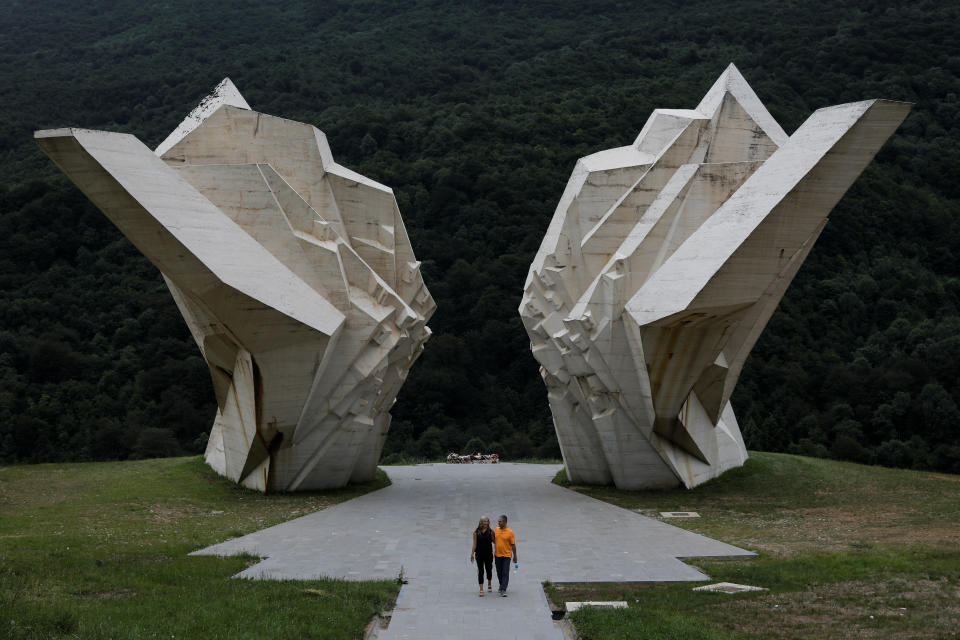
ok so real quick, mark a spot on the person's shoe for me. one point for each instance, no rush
(481, 593)
(503, 594)
(489, 588)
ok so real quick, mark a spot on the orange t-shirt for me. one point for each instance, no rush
(504, 541)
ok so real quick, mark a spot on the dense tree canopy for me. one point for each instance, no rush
(474, 112)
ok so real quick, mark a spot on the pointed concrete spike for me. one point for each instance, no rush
(801, 182)
(732, 81)
(224, 93)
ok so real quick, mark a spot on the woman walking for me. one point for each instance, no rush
(483, 551)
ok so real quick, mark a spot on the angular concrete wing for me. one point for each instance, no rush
(662, 265)
(295, 276)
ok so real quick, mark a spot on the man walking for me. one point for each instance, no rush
(505, 547)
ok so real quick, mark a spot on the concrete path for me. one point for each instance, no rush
(423, 522)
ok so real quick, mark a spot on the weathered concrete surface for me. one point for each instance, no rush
(294, 274)
(423, 522)
(663, 263)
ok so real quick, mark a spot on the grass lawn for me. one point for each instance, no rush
(99, 550)
(846, 551)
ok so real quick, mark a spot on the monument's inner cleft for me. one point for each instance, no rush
(294, 274)
(662, 264)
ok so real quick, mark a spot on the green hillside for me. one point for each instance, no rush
(475, 112)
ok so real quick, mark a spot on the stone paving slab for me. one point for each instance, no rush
(423, 523)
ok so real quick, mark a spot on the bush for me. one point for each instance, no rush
(894, 453)
(846, 448)
(474, 445)
(809, 448)
(154, 442)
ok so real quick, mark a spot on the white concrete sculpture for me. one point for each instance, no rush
(662, 264)
(294, 274)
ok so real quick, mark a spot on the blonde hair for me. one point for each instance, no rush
(480, 524)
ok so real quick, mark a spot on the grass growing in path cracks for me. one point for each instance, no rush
(845, 550)
(99, 550)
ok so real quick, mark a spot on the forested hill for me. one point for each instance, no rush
(475, 112)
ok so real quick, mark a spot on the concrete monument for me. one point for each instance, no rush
(662, 264)
(294, 274)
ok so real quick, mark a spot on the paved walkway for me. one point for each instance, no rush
(423, 522)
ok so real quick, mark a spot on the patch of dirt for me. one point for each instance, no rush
(112, 593)
(835, 529)
(901, 609)
(950, 478)
(161, 513)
